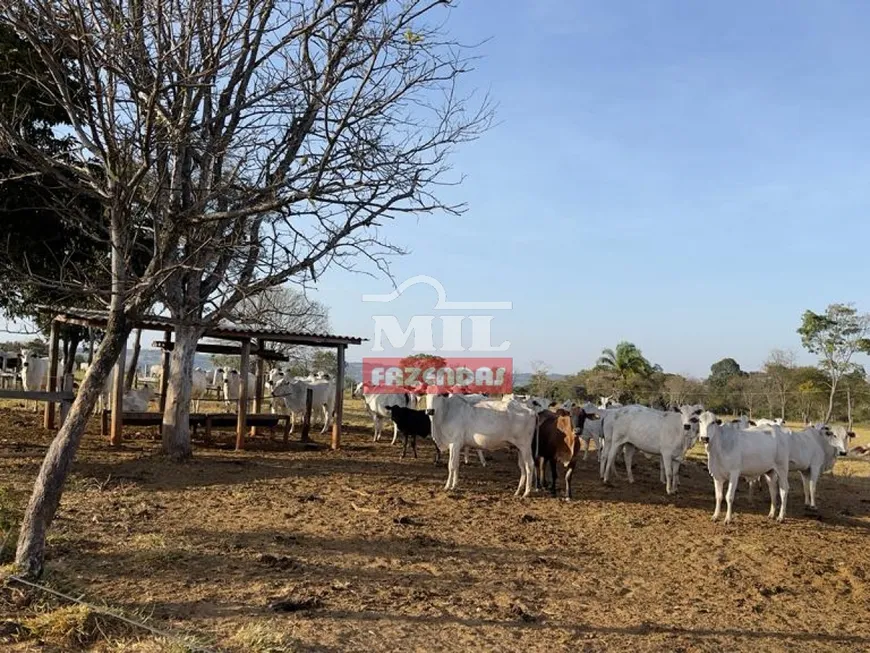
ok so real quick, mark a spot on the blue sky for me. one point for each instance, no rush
(687, 176)
(690, 176)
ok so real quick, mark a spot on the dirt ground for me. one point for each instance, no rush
(378, 557)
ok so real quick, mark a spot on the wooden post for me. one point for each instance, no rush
(53, 356)
(67, 386)
(258, 386)
(339, 398)
(117, 430)
(164, 379)
(242, 420)
(306, 422)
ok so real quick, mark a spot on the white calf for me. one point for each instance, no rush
(34, 373)
(232, 386)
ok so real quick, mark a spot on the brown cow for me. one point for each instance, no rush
(555, 442)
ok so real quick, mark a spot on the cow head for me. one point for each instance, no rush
(839, 437)
(708, 425)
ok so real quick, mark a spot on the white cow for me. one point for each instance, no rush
(376, 404)
(34, 373)
(289, 396)
(608, 402)
(155, 371)
(489, 425)
(654, 432)
(770, 422)
(733, 452)
(813, 451)
(232, 386)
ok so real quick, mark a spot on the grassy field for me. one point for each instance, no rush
(310, 549)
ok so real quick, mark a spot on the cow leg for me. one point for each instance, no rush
(405, 446)
(628, 456)
(806, 486)
(771, 488)
(526, 463)
(729, 498)
(608, 465)
(465, 455)
(782, 474)
(325, 419)
(481, 457)
(453, 466)
(553, 473)
(586, 449)
(377, 422)
(675, 477)
(569, 472)
(414, 444)
(814, 480)
(672, 466)
(718, 488)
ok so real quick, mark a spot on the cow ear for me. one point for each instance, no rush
(676, 409)
(719, 422)
(698, 411)
(751, 423)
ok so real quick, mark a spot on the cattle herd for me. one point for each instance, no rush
(550, 436)
(547, 435)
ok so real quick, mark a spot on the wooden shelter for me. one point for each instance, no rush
(246, 341)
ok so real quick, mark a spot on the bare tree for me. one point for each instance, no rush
(779, 372)
(234, 147)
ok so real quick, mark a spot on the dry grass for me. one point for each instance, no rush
(375, 556)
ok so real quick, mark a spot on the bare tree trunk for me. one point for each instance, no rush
(849, 405)
(134, 361)
(48, 488)
(782, 400)
(831, 402)
(176, 416)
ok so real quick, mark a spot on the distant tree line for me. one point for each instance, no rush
(835, 389)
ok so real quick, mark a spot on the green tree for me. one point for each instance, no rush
(45, 259)
(724, 390)
(625, 362)
(325, 361)
(835, 336)
(540, 384)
